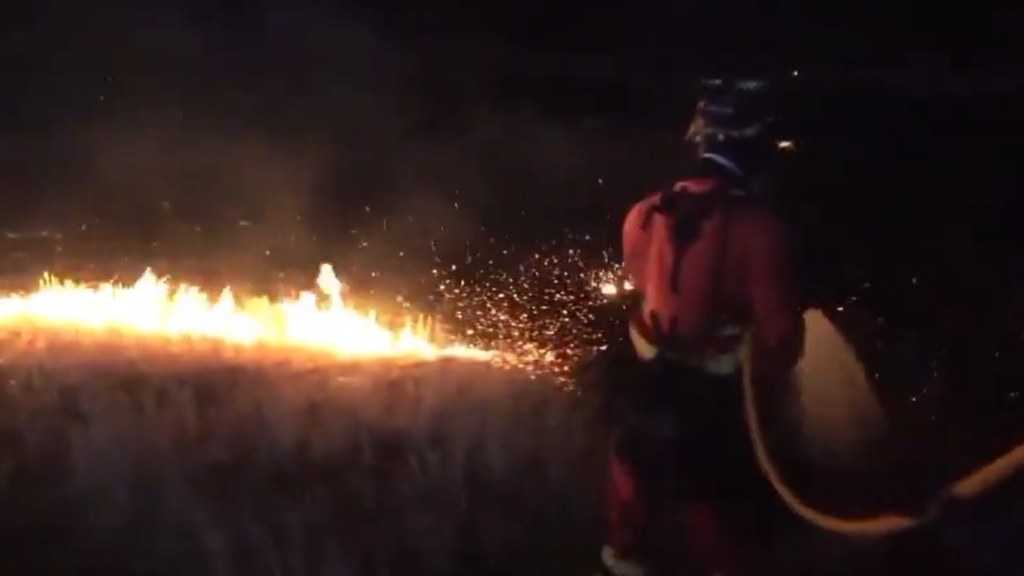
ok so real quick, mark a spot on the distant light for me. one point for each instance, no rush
(786, 145)
(795, 73)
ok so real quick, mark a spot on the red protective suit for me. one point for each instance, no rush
(740, 271)
(735, 273)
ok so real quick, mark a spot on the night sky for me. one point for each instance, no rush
(125, 108)
(358, 131)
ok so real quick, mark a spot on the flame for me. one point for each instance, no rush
(152, 307)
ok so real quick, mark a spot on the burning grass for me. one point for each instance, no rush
(128, 456)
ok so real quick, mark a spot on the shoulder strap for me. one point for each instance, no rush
(689, 213)
(723, 254)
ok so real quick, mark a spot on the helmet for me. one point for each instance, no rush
(731, 122)
(729, 109)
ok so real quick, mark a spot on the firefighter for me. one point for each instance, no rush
(709, 260)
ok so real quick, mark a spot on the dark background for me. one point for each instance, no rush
(248, 141)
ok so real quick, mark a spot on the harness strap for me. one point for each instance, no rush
(689, 215)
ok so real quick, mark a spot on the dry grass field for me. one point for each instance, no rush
(152, 456)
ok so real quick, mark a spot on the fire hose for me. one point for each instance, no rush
(972, 485)
(967, 487)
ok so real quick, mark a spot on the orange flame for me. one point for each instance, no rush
(151, 306)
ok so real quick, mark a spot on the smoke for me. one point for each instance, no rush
(276, 137)
(170, 184)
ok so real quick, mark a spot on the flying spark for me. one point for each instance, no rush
(537, 311)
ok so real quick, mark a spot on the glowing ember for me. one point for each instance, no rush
(541, 311)
(153, 307)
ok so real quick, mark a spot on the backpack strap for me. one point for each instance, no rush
(689, 213)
